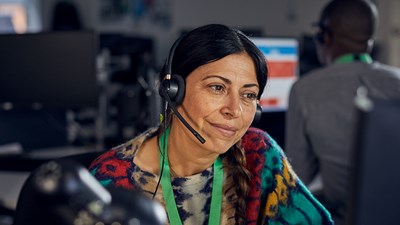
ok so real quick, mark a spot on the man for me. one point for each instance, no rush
(321, 119)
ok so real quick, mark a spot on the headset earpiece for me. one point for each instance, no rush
(258, 114)
(173, 84)
(174, 87)
(323, 31)
(320, 37)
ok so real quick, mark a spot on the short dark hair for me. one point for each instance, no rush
(353, 18)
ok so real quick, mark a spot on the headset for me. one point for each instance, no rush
(319, 36)
(172, 89)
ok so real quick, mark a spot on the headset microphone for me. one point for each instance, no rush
(172, 89)
(180, 117)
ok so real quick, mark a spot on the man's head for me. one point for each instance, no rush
(346, 26)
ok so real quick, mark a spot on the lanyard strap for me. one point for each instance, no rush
(348, 58)
(169, 198)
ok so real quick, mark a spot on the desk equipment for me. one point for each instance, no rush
(64, 192)
(43, 76)
(374, 197)
(48, 70)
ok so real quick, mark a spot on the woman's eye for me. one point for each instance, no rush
(217, 88)
(250, 96)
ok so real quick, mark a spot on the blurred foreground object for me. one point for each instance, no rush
(375, 179)
(64, 192)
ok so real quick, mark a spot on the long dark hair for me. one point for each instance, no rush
(207, 44)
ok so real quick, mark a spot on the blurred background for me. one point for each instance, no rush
(78, 76)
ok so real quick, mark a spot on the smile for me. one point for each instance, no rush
(224, 130)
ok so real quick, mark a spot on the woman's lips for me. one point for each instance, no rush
(224, 130)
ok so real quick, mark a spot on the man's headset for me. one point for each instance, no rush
(319, 36)
(172, 89)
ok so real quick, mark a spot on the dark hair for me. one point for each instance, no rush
(207, 44)
(213, 42)
(351, 18)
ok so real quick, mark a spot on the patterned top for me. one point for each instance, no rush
(276, 195)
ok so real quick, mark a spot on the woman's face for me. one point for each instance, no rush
(220, 100)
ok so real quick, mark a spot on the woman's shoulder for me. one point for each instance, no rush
(262, 151)
(264, 157)
(117, 161)
(257, 141)
(274, 180)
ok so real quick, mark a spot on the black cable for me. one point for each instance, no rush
(163, 153)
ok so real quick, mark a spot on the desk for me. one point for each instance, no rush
(28, 161)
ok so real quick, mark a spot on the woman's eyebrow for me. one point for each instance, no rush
(250, 85)
(216, 76)
(229, 81)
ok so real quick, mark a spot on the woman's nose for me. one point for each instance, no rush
(232, 107)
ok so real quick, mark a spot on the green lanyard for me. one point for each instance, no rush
(172, 210)
(348, 58)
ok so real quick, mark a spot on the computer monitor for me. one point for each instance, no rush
(48, 70)
(374, 196)
(308, 55)
(283, 65)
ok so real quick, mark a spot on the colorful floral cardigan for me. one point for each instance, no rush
(276, 195)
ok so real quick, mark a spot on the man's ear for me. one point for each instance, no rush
(328, 38)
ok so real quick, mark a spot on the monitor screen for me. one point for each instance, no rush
(48, 70)
(283, 69)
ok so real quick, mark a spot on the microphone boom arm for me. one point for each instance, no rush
(180, 117)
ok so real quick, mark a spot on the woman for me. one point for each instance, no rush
(227, 173)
